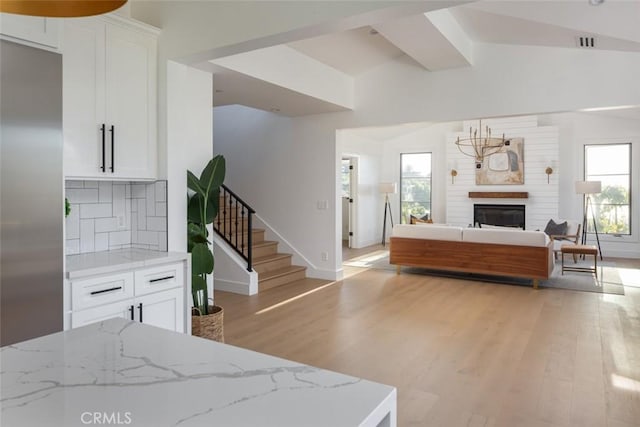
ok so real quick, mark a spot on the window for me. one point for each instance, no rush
(611, 165)
(345, 177)
(415, 185)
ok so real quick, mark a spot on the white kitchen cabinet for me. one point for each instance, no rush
(124, 309)
(109, 99)
(162, 309)
(153, 295)
(35, 31)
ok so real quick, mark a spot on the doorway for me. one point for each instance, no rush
(348, 194)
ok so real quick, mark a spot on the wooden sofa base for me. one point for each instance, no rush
(531, 262)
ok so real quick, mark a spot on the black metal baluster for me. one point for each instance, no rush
(249, 247)
(226, 224)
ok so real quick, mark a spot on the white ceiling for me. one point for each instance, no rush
(451, 33)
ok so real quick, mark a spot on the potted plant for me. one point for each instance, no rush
(203, 205)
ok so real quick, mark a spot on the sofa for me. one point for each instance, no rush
(500, 252)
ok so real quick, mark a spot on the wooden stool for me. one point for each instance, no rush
(580, 250)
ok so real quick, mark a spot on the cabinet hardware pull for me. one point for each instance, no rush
(131, 311)
(140, 311)
(106, 290)
(113, 132)
(160, 279)
(103, 167)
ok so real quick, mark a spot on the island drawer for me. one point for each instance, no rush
(159, 278)
(99, 290)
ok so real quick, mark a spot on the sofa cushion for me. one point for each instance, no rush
(505, 237)
(431, 231)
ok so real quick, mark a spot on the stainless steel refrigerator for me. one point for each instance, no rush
(31, 193)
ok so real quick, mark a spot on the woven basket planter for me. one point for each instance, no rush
(210, 326)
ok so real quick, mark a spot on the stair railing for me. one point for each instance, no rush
(230, 223)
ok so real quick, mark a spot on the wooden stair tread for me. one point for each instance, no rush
(280, 272)
(264, 243)
(269, 258)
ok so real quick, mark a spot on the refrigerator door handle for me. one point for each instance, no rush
(140, 311)
(131, 311)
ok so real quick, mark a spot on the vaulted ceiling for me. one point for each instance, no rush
(316, 75)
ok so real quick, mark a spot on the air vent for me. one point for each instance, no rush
(586, 41)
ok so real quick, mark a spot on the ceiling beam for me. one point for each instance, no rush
(435, 40)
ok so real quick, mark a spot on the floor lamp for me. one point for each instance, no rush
(586, 188)
(387, 188)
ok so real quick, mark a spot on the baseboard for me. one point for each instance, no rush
(234, 287)
(316, 273)
(620, 254)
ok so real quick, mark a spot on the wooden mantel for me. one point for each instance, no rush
(498, 195)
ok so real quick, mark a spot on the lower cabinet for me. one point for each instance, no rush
(163, 309)
(154, 296)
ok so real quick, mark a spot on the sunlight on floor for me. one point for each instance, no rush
(297, 297)
(629, 276)
(367, 260)
(625, 383)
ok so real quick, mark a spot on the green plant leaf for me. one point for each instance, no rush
(194, 209)
(201, 259)
(198, 283)
(196, 233)
(212, 175)
(193, 183)
(199, 293)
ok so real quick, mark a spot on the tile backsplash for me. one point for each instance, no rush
(109, 215)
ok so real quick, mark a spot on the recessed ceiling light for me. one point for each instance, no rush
(275, 110)
(595, 2)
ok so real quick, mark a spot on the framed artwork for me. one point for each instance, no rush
(504, 167)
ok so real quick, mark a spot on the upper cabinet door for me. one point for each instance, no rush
(109, 97)
(83, 64)
(131, 102)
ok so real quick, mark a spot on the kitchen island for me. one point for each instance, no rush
(127, 373)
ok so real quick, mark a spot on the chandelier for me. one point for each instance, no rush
(480, 146)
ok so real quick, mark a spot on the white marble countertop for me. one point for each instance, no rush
(105, 262)
(127, 371)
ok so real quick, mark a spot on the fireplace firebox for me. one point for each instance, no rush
(503, 215)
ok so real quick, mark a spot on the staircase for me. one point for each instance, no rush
(234, 225)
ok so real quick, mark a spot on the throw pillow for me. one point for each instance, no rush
(553, 229)
(424, 220)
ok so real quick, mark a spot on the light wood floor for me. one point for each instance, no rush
(460, 353)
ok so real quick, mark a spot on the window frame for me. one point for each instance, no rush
(631, 178)
(430, 201)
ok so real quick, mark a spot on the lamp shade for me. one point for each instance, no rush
(588, 187)
(388, 187)
(60, 8)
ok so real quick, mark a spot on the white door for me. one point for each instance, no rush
(124, 309)
(163, 309)
(83, 98)
(130, 103)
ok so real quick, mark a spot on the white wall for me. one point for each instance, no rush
(286, 170)
(432, 138)
(189, 147)
(187, 142)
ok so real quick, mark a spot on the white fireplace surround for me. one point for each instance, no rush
(541, 146)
